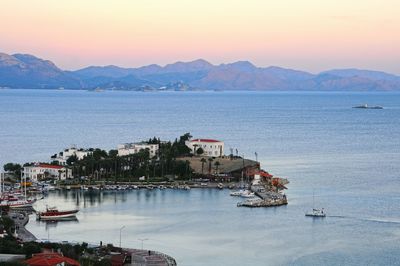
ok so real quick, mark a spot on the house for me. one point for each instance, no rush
(132, 148)
(40, 171)
(210, 147)
(63, 156)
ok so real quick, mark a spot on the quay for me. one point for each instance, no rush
(267, 198)
(21, 218)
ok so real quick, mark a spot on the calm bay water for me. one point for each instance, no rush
(350, 157)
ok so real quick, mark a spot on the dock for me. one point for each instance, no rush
(266, 198)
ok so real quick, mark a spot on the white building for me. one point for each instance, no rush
(40, 171)
(63, 156)
(132, 148)
(210, 147)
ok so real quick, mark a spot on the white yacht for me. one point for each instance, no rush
(316, 213)
(242, 193)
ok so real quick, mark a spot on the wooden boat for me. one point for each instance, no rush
(54, 214)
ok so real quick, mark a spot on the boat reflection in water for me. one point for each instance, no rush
(54, 223)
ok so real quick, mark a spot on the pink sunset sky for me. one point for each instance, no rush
(312, 35)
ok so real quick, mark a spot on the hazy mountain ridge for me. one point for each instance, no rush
(27, 71)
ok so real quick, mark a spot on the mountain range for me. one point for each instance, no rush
(27, 71)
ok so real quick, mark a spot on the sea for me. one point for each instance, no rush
(349, 159)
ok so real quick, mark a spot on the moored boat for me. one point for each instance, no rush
(54, 214)
(14, 204)
(242, 193)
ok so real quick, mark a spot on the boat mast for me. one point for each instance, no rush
(313, 200)
(1, 184)
(24, 188)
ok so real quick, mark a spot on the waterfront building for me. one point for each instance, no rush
(132, 148)
(39, 171)
(63, 156)
(210, 147)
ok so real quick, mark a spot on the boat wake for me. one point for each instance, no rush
(374, 220)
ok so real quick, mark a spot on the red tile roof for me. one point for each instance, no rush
(44, 259)
(204, 140)
(45, 165)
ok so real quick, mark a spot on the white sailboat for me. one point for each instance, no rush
(316, 212)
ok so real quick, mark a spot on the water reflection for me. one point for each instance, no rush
(53, 224)
(94, 198)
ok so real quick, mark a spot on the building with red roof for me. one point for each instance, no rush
(50, 259)
(38, 171)
(210, 147)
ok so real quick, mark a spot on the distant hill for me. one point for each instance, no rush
(27, 71)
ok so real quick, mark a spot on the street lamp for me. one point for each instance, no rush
(143, 239)
(120, 233)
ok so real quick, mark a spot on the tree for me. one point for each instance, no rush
(113, 153)
(72, 159)
(14, 168)
(203, 161)
(99, 154)
(200, 151)
(31, 248)
(217, 164)
(209, 165)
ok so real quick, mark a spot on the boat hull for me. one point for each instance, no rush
(315, 215)
(57, 216)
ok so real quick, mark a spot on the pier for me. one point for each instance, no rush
(266, 198)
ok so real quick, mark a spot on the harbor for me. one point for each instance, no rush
(152, 166)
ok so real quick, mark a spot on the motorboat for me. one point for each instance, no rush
(242, 193)
(365, 106)
(247, 194)
(16, 204)
(52, 213)
(236, 193)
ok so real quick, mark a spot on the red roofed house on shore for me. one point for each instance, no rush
(40, 171)
(210, 147)
(42, 259)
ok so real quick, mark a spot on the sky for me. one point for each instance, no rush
(311, 35)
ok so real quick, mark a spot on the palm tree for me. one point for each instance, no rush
(203, 161)
(217, 164)
(209, 165)
(195, 149)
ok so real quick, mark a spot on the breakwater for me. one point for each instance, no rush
(266, 198)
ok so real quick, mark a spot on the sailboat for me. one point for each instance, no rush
(316, 212)
(21, 202)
